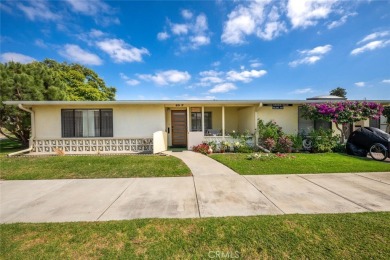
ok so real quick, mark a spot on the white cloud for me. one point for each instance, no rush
(40, 43)
(216, 63)
(311, 56)
(266, 19)
(240, 23)
(374, 36)
(167, 77)
(191, 34)
(129, 81)
(320, 50)
(223, 88)
(16, 57)
(370, 46)
(256, 64)
(245, 76)
(200, 25)
(161, 36)
(187, 14)
(38, 10)
(75, 54)
(341, 21)
(89, 7)
(210, 73)
(120, 51)
(96, 33)
(199, 40)
(179, 29)
(386, 81)
(189, 97)
(305, 60)
(360, 84)
(210, 77)
(273, 26)
(98, 9)
(303, 91)
(375, 40)
(304, 13)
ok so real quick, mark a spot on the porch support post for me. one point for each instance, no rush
(256, 135)
(223, 122)
(203, 130)
(188, 121)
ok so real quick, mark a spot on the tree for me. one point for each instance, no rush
(46, 80)
(340, 92)
(342, 113)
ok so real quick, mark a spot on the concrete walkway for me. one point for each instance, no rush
(213, 190)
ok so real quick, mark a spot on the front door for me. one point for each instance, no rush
(179, 128)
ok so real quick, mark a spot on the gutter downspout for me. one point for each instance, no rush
(32, 132)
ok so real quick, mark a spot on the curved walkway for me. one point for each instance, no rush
(214, 190)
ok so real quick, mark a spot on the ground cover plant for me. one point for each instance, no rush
(298, 163)
(324, 236)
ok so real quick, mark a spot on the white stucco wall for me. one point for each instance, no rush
(287, 118)
(246, 117)
(160, 142)
(231, 119)
(128, 120)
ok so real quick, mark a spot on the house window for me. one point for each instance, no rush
(305, 126)
(196, 121)
(375, 123)
(87, 122)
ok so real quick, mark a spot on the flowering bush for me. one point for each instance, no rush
(269, 143)
(201, 148)
(225, 146)
(344, 112)
(284, 144)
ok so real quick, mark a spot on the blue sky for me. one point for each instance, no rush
(286, 49)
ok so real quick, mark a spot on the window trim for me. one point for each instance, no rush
(87, 109)
(204, 118)
(314, 123)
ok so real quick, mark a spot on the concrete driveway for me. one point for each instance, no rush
(213, 191)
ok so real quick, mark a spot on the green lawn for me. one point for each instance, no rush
(302, 163)
(85, 167)
(333, 236)
(82, 167)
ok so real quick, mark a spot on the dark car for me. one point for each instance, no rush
(369, 140)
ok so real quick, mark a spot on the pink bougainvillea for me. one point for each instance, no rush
(343, 112)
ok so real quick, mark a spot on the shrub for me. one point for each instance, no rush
(297, 142)
(201, 148)
(323, 141)
(269, 130)
(269, 143)
(339, 148)
(284, 144)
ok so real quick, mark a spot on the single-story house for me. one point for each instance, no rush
(82, 127)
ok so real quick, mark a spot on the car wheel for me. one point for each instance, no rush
(378, 152)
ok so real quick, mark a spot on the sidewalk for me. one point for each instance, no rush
(213, 191)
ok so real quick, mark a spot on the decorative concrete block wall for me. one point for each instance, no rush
(93, 145)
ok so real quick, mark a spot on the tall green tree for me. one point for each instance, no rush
(340, 92)
(46, 80)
